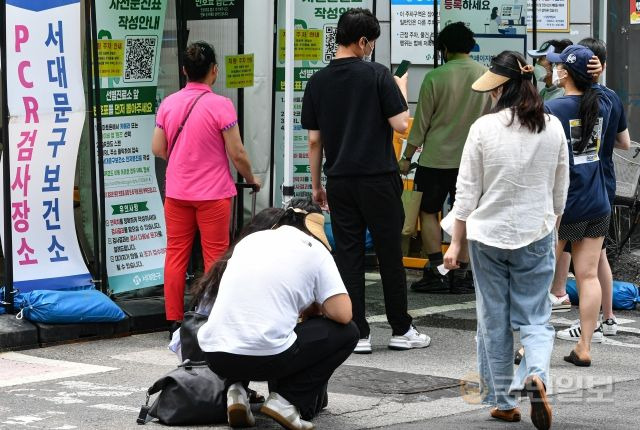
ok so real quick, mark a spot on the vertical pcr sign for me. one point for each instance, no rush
(129, 38)
(314, 47)
(47, 109)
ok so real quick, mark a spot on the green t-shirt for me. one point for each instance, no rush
(447, 106)
(552, 92)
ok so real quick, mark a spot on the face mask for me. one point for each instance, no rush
(366, 57)
(556, 77)
(540, 72)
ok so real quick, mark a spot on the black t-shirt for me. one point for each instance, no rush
(349, 101)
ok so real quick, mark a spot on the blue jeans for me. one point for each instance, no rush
(512, 289)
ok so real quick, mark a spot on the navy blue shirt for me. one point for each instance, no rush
(587, 198)
(617, 124)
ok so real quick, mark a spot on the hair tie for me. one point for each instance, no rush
(527, 69)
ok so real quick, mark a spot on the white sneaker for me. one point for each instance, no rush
(363, 346)
(573, 334)
(610, 327)
(238, 408)
(411, 339)
(284, 413)
(560, 304)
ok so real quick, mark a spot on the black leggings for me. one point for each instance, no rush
(301, 373)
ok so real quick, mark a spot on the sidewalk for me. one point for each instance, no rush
(105, 381)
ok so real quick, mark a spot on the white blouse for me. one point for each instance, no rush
(512, 184)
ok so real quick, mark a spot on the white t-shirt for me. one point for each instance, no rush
(272, 276)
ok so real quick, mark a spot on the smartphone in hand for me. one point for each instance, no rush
(402, 68)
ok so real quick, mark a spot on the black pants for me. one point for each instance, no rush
(374, 202)
(301, 373)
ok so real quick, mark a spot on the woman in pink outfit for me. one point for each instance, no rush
(197, 133)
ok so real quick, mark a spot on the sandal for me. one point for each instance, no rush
(511, 415)
(541, 415)
(519, 354)
(575, 360)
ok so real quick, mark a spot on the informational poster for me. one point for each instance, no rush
(552, 16)
(489, 45)
(212, 9)
(239, 71)
(412, 36)
(128, 54)
(47, 109)
(486, 16)
(315, 22)
(634, 11)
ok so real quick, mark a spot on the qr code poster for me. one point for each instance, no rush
(330, 45)
(140, 58)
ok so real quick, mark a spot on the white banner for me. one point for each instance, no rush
(486, 16)
(47, 109)
(552, 16)
(412, 36)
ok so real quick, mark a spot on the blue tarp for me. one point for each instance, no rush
(625, 294)
(67, 307)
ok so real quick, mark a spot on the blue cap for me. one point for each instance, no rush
(574, 57)
(537, 53)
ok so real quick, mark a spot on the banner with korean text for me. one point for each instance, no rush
(315, 45)
(129, 40)
(47, 112)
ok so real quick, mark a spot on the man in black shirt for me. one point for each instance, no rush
(350, 109)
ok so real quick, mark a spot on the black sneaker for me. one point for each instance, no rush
(462, 282)
(432, 282)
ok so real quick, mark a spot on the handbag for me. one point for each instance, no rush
(191, 323)
(175, 138)
(190, 394)
(411, 200)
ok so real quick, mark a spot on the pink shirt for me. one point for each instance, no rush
(198, 167)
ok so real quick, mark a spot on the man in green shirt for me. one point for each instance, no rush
(446, 109)
(543, 68)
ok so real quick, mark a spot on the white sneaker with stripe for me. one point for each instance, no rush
(573, 333)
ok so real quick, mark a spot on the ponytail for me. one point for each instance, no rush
(520, 95)
(589, 109)
(588, 112)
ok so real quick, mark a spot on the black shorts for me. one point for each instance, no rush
(605, 242)
(593, 228)
(435, 185)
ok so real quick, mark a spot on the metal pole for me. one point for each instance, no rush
(95, 214)
(435, 33)
(239, 178)
(274, 94)
(100, 148)
(287, 184)
(6, 166)
(534, 24)
(181, 40)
